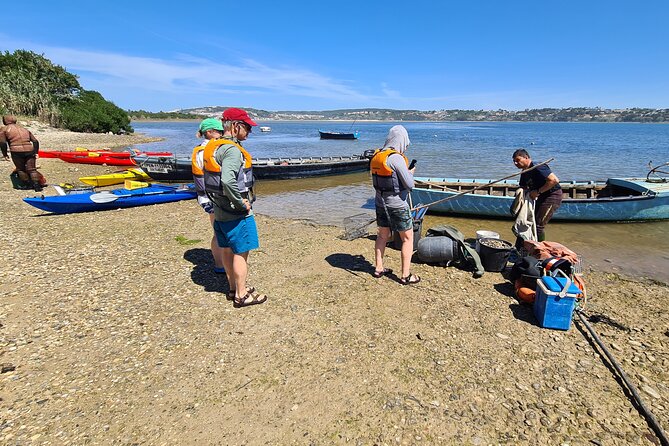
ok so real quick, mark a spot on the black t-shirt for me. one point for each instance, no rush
(535, 179)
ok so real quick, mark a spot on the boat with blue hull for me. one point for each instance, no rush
(112, 199)
(616, 199)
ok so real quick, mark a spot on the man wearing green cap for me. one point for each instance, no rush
(210, 128)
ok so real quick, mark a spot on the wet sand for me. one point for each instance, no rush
(636, 250)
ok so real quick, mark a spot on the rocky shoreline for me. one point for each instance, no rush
(115, 330)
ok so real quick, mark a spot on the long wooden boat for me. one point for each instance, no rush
(175, 169)
(111, 179)
(113, 199)
(616, 199)
(338, 135)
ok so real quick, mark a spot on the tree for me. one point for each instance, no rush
(90, 112)
(31, 85)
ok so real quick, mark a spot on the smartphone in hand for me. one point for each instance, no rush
(413, 164)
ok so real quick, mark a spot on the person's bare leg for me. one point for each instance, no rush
(240, 272)
(407, 251)
(382, 237)
(216, 251)
(228, 257)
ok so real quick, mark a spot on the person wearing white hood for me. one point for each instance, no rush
(393, 180)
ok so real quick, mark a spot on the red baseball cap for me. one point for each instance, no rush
(237, 114)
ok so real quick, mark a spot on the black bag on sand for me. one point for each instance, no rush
(527, 266)
(18, 183)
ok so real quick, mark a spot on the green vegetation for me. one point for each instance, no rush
(143, 114)
(185, 241)
(31, 85)
(90, 112)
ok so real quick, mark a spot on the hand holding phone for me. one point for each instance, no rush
(413, 164)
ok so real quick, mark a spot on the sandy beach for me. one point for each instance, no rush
(115, 330)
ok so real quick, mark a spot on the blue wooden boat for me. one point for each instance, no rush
(112, 199)
(616, 199)
(338, 135)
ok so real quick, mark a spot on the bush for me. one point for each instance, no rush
(31, 85)
(90, 112)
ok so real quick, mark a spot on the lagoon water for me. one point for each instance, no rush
(465, 149)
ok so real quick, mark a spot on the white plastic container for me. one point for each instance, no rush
(484, 234)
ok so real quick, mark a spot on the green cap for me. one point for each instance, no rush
(211, 124)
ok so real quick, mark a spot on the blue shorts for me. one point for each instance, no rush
(239, 235)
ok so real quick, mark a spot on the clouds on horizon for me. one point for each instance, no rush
(189, 75)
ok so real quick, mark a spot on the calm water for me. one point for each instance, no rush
(474, 150)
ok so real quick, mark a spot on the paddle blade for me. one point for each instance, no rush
(103, 197)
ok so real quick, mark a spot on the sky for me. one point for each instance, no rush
(322, 55)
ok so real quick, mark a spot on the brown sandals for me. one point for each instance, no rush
(385, 272)
(250, 298)
(411, 279)
(230, 295)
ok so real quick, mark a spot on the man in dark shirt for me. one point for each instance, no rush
(543, 186)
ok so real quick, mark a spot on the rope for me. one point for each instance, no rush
(645, 411)
(483, 185)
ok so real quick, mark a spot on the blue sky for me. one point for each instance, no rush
(289, 55)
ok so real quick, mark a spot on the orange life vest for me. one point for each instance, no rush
(384, 178)
(212, 170)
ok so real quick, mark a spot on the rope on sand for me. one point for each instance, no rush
(645, 411)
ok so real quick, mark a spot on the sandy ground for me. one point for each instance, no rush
(115, 330)
(57, 139)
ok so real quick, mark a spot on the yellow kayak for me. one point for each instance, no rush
(116, 178)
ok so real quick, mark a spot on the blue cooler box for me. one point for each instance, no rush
(550, 308)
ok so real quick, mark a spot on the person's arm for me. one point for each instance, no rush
(3, 145)
(551, 181)
(405, 175)
(35, 143)
(230, 162)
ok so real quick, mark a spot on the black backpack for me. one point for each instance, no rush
(527, 266)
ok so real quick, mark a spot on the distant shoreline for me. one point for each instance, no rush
(406, 120)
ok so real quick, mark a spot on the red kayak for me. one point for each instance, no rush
(98, 157)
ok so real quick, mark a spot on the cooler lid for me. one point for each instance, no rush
(556, 284)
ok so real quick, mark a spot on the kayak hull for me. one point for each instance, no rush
(116, 178)
(114, 199)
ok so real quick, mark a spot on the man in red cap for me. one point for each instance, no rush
(228, 178)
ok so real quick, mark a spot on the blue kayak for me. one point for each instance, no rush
(112, 199)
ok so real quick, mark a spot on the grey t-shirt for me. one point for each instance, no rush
(389, 199)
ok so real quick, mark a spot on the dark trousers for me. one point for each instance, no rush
(26, 166)
(545, 207)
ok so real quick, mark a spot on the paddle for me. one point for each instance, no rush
(108, 197)
(483, 186)
(353, 231)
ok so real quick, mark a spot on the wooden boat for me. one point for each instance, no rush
(174, 169)
(111, 179)
(338, 135)
(291, 168)
(616, 199)
(113, 199)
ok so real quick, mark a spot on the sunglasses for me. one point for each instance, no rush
(248, 128)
